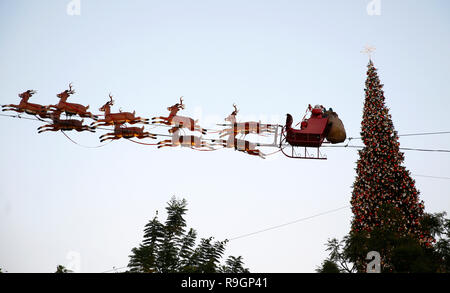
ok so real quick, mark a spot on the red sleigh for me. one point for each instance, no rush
(312, 133)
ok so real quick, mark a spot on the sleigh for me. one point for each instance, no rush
(311, 134)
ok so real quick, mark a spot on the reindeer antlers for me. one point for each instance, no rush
(181, 103)
(112, 101)
(71, 91)
(235, 109)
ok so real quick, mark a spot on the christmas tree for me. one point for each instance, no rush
(385, 201)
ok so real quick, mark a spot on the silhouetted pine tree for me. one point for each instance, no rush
(168, 248)
(62, 270)
(234, 265)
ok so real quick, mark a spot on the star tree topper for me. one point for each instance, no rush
(368, 50)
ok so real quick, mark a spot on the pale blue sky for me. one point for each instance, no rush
(269, 57)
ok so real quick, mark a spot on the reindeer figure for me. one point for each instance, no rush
(127, 132)
(25, 106)
(190, 141)
(240, 145)
(65, 124)
(245, 127)
(71, 108)
(178, 121)
(117, 118)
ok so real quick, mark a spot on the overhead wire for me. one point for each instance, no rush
(434, 177)
(291, 222)
(114, 269)
(84, 146)
(412, 134)
(402, 148)
(347, 206)
(349, 138)
(267, 229)
(18, 116)
(288, 223)
(284, 224)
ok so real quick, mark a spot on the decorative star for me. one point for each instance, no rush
(368, 50)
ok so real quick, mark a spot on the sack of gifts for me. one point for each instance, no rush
(336, 134)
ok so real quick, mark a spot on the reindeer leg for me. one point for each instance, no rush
(202, 130)
(141, 120)
(92, 116)
(112, 137)
(39, 118)
(144, 135)
(261, 154)
(173, 129)
(207, 145)
(226, 132)
(50, 128)
(198, 128)
(161, 122)
(80, 128)
(18, 110)
(164, 141)
(101, 122)
(44, 130)
(44, 126)
(156, 120)
(161, 118)
(256, 153)
(107, 138)
(98, 123)
(107, 134)
(150, 135)
(145, 121)
(169, 144)
(7, 108)
(219, 142)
